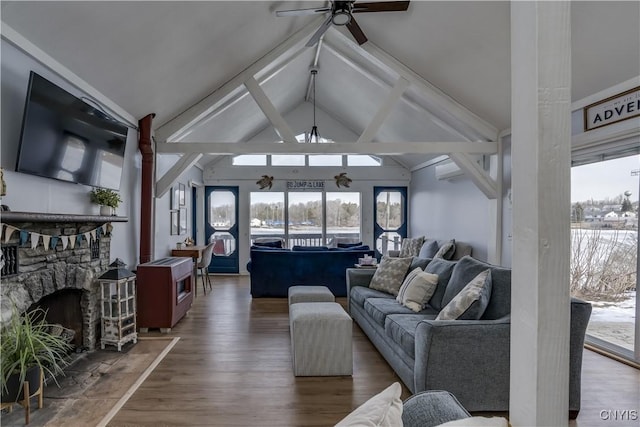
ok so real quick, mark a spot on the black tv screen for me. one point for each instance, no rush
(65, 138)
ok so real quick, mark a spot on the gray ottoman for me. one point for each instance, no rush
(320, 339)
(301, 293)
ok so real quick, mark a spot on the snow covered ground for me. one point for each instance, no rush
(614, 322)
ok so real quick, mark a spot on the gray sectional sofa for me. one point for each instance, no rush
(469, 358)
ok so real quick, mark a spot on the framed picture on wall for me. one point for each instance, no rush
(182, 221)
(175, 197)
(174, 222)
(183, 196)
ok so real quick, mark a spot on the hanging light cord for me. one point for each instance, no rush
(314, 129)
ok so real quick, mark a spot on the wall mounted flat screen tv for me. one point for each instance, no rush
(65, 138)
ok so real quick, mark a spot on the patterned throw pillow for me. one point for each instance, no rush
(411, 247)
(417, 289)
(447, 250)
(472, 300)
(390, 274)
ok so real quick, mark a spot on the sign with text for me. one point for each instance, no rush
(612, 110)
(305, 185)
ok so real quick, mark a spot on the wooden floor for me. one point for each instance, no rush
(232, 367)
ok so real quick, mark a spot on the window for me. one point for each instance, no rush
(287, 159)
(266, 215)
(325, 160)
(604, 247)
(250, 160)
(343, 216)
(305, 216)
(363, 160)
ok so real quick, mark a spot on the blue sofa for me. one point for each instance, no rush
(273, 271)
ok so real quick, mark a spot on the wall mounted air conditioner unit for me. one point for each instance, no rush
(448, 170)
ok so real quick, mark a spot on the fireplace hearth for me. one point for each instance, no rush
(56, 277)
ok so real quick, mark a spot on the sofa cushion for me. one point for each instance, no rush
(468, 268)
(446, 250)
(443, 269)
(417, 289)
(348, 245)
(401, 329)
(379, 308)
(309, 248)
(411, 246)
(272, 244)
(429, 248)
(472, 300)
(359, 294)
(390, 274)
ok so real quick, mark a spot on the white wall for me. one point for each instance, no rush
(163, 240)
(449, 210)
(28, 193)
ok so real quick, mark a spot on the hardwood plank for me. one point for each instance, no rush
(232, 367)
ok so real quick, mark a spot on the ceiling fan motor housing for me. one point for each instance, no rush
(341, 14)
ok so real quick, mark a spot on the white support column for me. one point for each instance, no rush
(277, 121)
(384, 110)
(541, 147)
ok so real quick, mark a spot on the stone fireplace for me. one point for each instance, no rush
(58, 279)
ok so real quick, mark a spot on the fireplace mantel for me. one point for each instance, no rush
(10, 217)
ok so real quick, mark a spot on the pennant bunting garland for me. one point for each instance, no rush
(35, 239)
(48, 241)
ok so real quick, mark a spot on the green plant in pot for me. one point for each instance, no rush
(107, 199)
(29, 349)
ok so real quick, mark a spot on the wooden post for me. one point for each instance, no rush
(146, 189)
(541, 146)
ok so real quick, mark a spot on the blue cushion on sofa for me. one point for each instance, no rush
(429, 248)
(309, 248)
(274, 244)
(349, 245)
(443, 269)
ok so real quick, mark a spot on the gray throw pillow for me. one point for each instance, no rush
(390, 274)
(447, 250)
(411, 246)
(471, 302)
(429, 249)
(443, 269)
(416, 289)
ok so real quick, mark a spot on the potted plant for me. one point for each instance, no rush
(29, 350)
(107, 199)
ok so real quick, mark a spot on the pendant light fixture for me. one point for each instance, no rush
(309, 137)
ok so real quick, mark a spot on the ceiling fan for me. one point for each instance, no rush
(341, 13)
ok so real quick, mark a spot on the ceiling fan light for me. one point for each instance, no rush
(341, 17)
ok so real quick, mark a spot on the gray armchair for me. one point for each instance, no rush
(431, 408)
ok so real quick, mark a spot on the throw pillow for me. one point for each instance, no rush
(390, 274)
(472, 300)
(477, 422)
(429, 249)
(411, 247)
(416, 289)
(274, 244)
(444, 270)
(447, 250)
(382, 410)
(309, 248)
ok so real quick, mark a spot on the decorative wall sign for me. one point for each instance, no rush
(612, 110)
(305, 185)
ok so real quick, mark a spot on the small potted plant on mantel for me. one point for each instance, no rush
(29, 349)
(107, 199)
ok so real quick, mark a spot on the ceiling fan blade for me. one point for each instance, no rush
(383, 6)
(323, 29)
(302, 12)
(356, 31)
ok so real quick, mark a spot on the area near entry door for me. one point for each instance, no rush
(390, 218)
(221, 227)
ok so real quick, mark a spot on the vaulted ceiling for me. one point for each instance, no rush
(164, 57)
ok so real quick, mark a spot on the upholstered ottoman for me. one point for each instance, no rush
(301, 293)
(320, 339)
